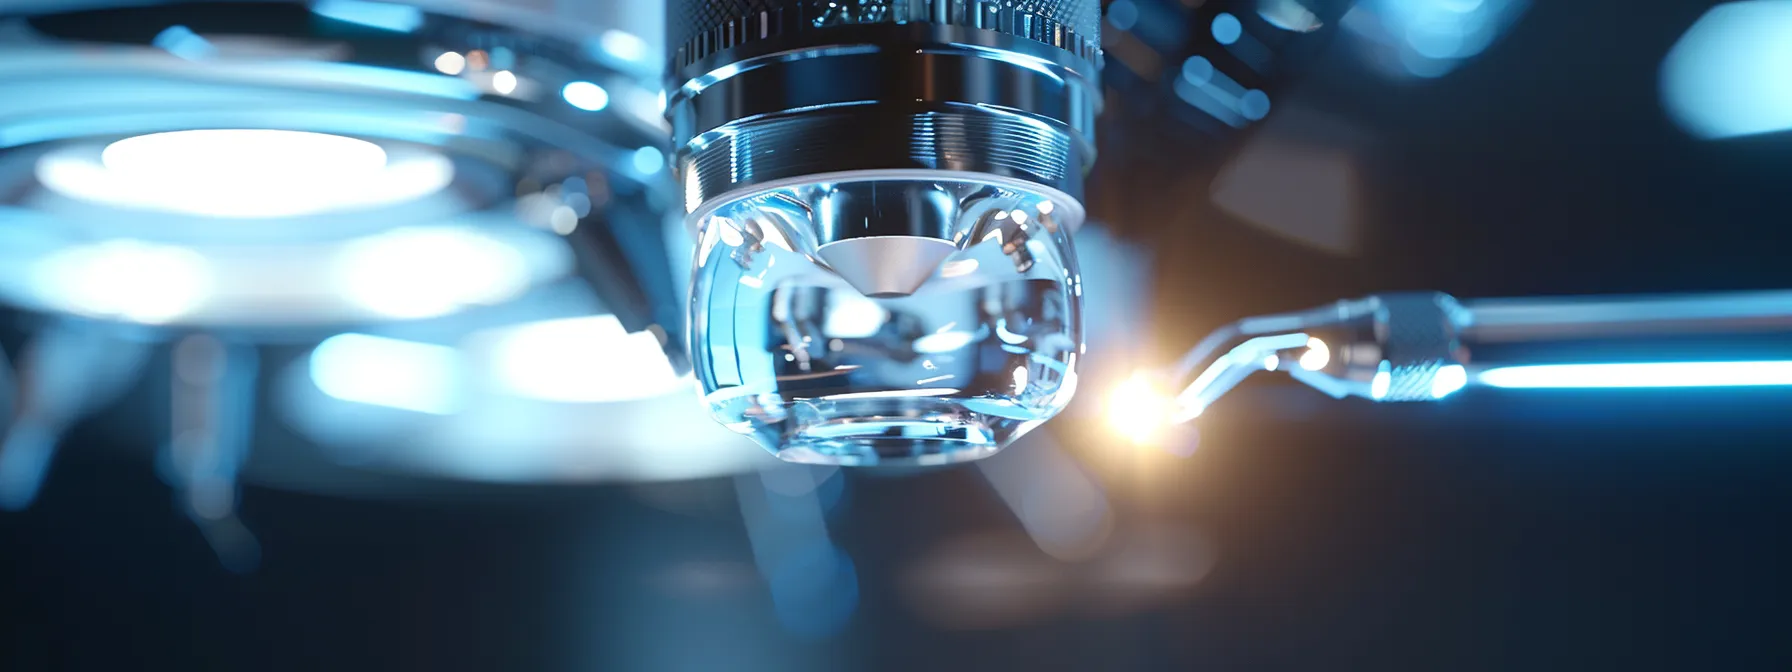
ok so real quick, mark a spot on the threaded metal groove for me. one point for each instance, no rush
(698, 29)
(955, 138)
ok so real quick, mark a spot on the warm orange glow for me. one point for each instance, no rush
(1140, 409)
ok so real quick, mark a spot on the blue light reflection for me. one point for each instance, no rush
(586, 96)
(378, 371)
(379, 15)
(1731, 73)
(1641, 375)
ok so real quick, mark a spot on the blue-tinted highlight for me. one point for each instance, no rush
(1448, 380)
(1197, 70)
(1254, 104)
(388, 372)
(1123, 14)
(648, 160)
(586, 96)
(1731, 73)
(1641, 375)
(1382, 382)
(380, 15)
(1227, 29)
(183, 42)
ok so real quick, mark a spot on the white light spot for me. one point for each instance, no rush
(1448, 380)
(425, 272)
(582, 360)
(852, 316)
(563, 220)
(451, 63)
(504, 82)
(586, 96)
(364, 369)
(725, 229)
(960, 268)
(1317, 356)
(125, 279)
(623, 45)
(943, 342)
(244, 173)
(1007, 336)
(1139, 410)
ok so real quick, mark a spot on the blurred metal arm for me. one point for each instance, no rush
(213, 408)
(69, 370)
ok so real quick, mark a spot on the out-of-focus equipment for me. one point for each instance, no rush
(883, 194)
(1427, 346)
(462, 200)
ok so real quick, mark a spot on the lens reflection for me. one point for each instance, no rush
(834, 327)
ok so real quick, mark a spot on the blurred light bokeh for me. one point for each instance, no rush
(445, 373)
(1729, 74)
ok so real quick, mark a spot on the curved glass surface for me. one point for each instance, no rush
(828, 328)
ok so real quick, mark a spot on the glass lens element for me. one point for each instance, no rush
(887, 322)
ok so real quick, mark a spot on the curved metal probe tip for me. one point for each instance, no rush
(1416, 346)
(1391, 347)
(1263, 353)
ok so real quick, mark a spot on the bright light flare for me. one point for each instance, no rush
(504, 82)
(849, 315)
(1317, 356)
(244, 173)
(623, 45)
(943, 342)
(583, 360)
(1140, 409)
(1448, 380)
(373, 370)
(586, 96)
(1731, 73)
(1383, 382)
(426, 272)
(1641, 375)
(125, 279)
(451, 63)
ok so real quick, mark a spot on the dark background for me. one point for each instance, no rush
(1634, 530)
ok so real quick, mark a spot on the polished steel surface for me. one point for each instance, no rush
(1007, 89)
(697, 29)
